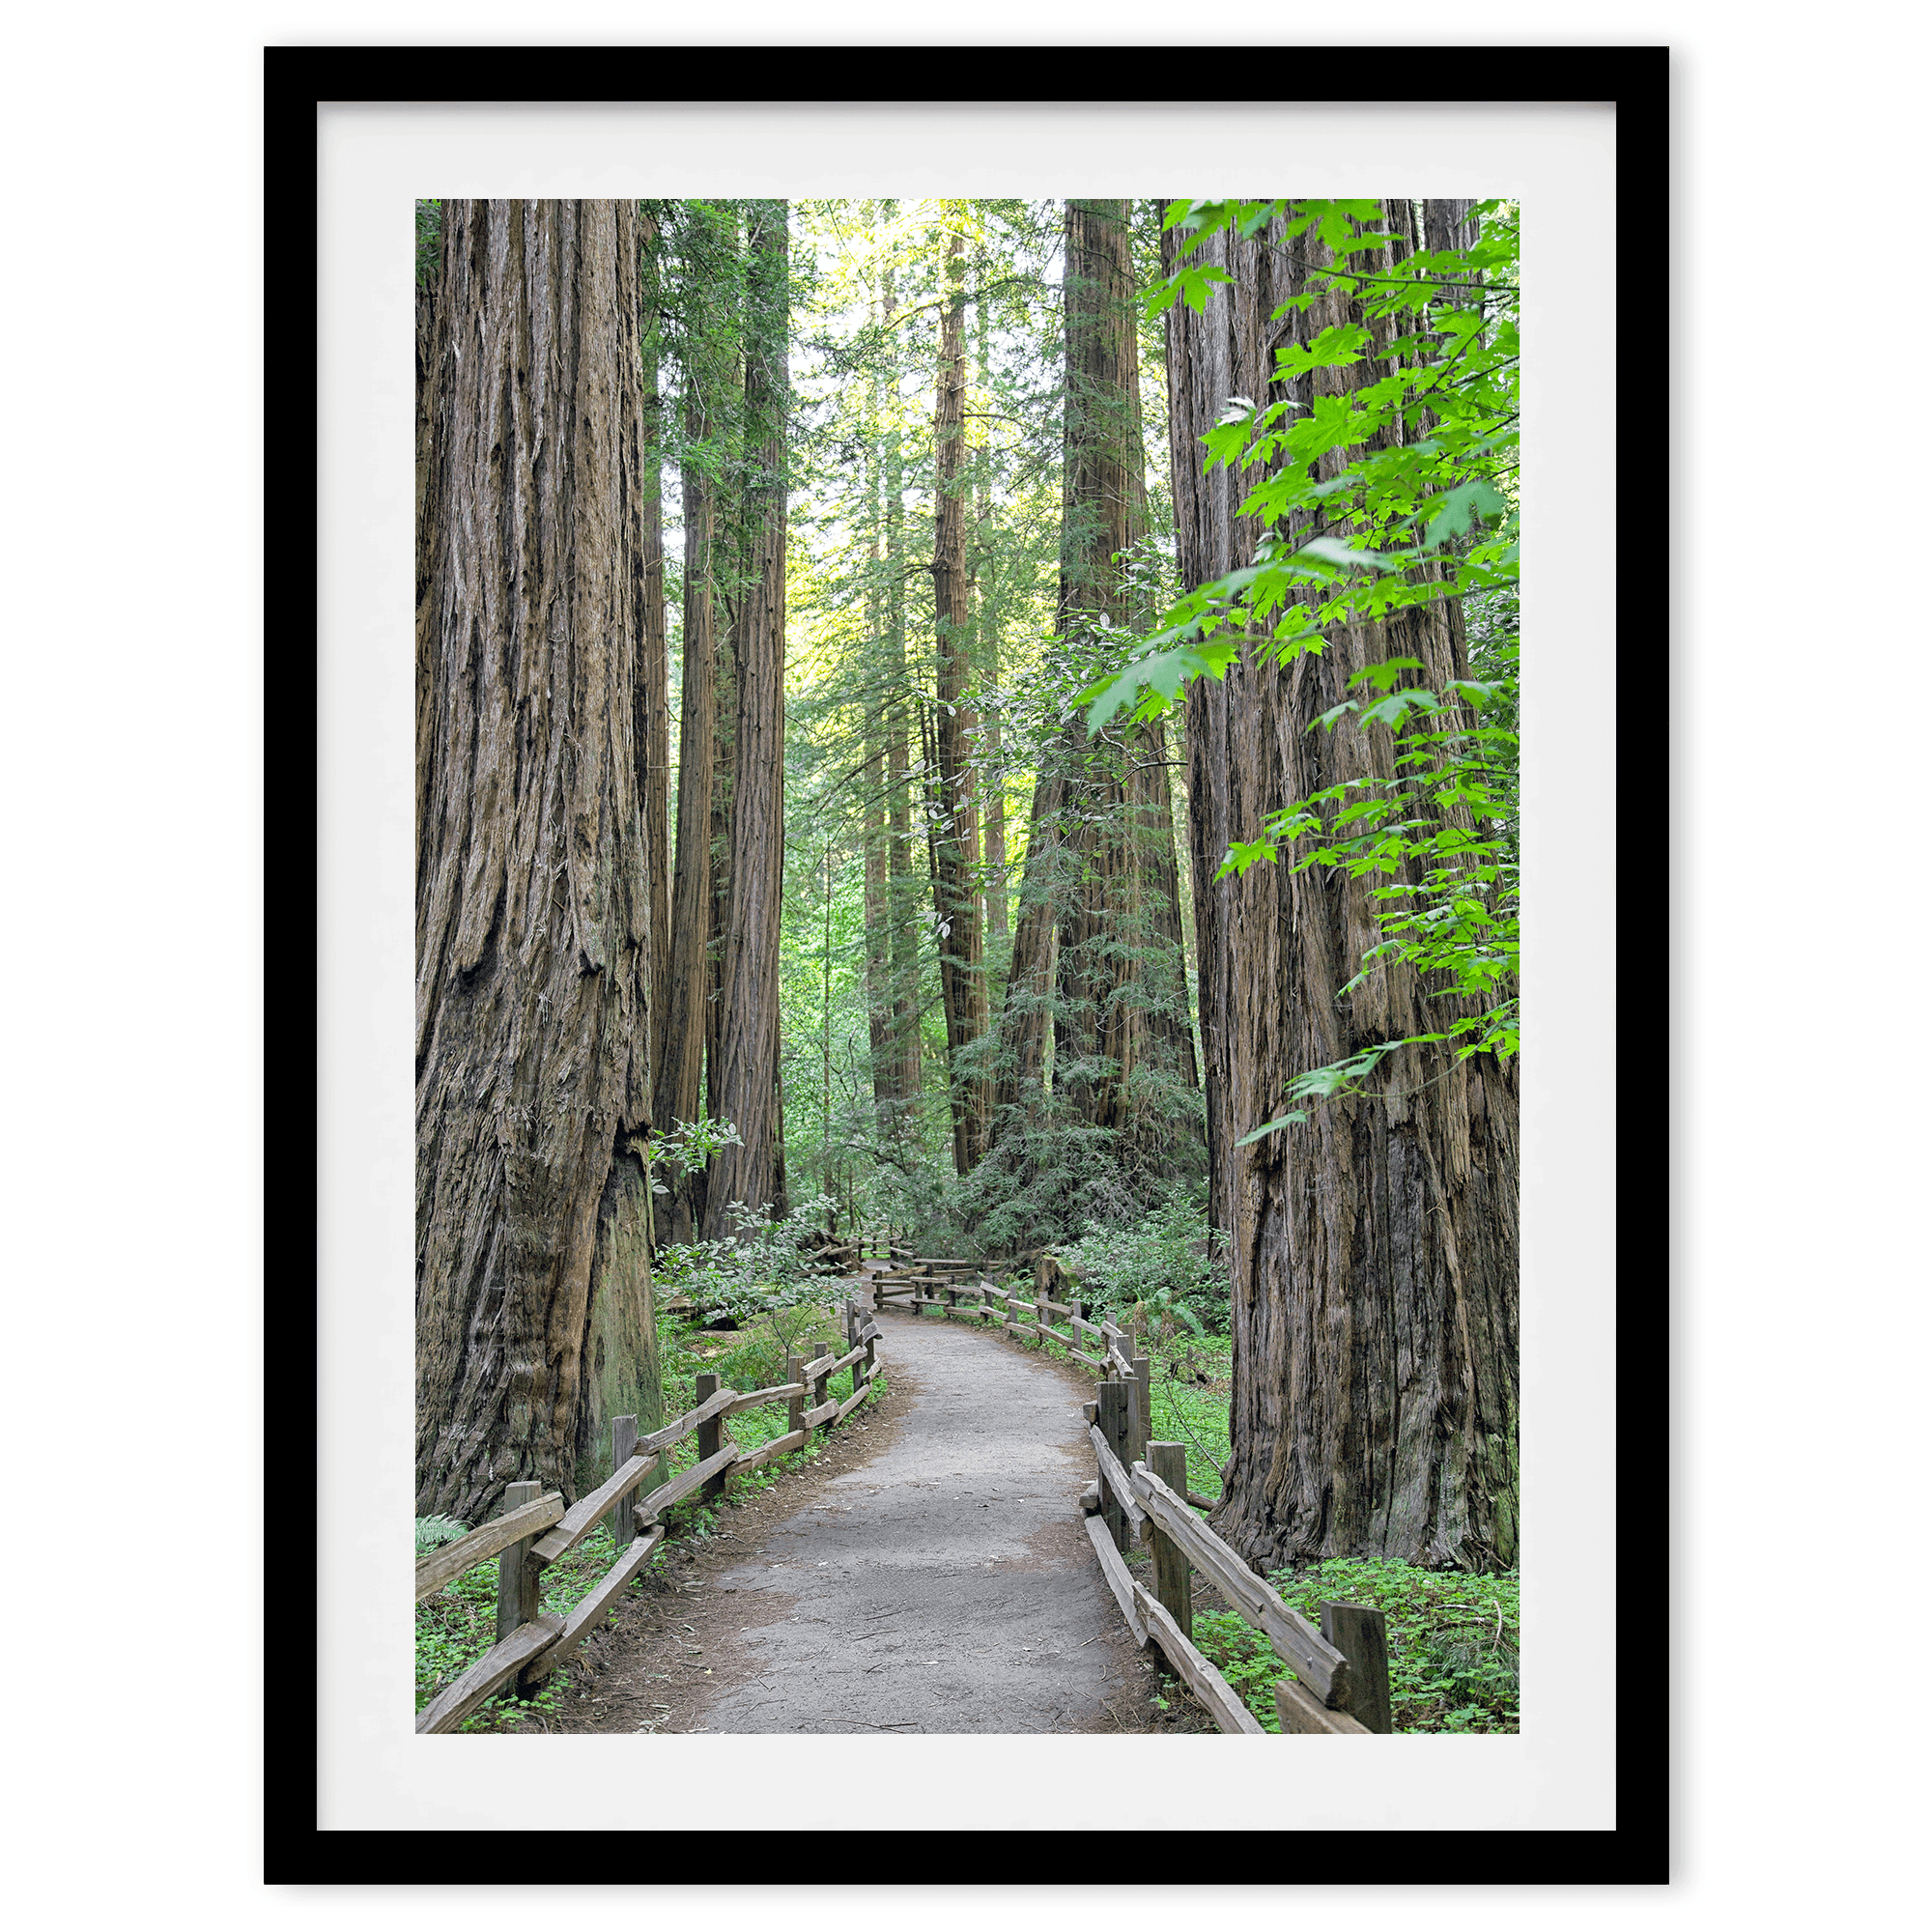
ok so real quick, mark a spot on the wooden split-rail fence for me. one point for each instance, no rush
(1341, 1686)
(535, 1528)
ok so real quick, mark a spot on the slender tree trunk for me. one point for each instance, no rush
(533, 895)
(902, 896)
(652, 722)
(746, 1092)
(1374, 1248)
(989, 637)
(680, 1080)
(877, 854)
(1162, 1017)
(955, 845)
(878, 889)
(1102, 511)
(1098, 941)
(1026, 1015)
(723, 791)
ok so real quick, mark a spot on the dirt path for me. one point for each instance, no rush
(928, 1574)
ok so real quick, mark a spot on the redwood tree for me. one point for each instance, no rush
(953, 808)
(1097, 948)
(1374, 1298)
(745, 1082)
(533, 890)
(680, 1058)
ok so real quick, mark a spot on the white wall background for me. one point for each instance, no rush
(136, 990)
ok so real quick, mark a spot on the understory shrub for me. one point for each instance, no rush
(1162, 1277)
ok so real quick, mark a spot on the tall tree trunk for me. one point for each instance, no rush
(909, 1076)
(877, 855)
(988, 629)
(1162, 1017)
(652, 720)
(1104, 498)
(723, 790)
(680, 1081)
(955, 845)
(533, 895)
(1025, 1014)
(746, 1092)
(885, 1060)
(1098, 941)
(1374, 1247)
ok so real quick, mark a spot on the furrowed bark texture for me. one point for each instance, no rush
(1374, 1247)
(745, 1087)
(533, 894)
(955, 839)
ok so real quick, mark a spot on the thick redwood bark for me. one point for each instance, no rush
(956, 833)
(745, 1087)
(533, 895)
(1374, 1248)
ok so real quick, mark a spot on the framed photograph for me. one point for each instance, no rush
(875, 662)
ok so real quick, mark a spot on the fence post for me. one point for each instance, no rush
(710, 1434)
(823, 1348)
(795, 1405)
(516, 1578)
(623, 1446)
(1169, 1461)
(1112, 1427)
(1361, 1635)
(1140, 1415)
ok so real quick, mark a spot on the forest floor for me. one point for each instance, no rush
(928, 1574)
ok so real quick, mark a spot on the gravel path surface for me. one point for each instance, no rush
(945, 1584)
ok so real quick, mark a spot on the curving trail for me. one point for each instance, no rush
(935, 1579)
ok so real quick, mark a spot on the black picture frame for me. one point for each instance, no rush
(297, 81)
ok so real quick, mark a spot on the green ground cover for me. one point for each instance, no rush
(1453, 1640)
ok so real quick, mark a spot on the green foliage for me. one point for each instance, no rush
(433, 1531)
(457, 1625)
(1422, 509)
(1162, 1277)
(1193, 1378)
(1415, 502)
(429, 243)
(1453, 1641)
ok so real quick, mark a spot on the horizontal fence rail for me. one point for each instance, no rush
(535, 1529)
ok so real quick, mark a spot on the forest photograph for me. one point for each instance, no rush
(967, 1030)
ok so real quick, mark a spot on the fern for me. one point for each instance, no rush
(433, 1531)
